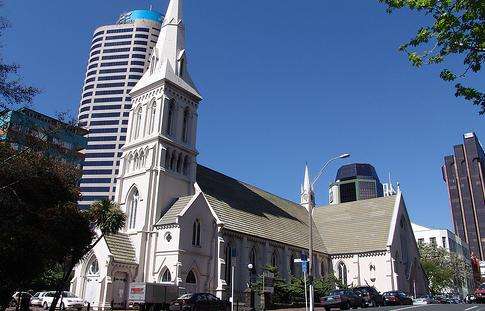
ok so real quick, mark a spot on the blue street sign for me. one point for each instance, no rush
(304, 266)
(303, 256)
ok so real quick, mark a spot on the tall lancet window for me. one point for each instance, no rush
(153, 112)
(133, 208)
(185, 126)
(138, 115)
(170, 117)
(196, 233)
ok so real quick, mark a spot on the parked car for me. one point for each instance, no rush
(424, 300)
(16, 298)
(370, 296)
(67, 301)
(199, 302)
(480, 294)
(341, 298)
(396, 298)
(37, 299)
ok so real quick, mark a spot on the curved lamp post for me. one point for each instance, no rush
(310, 216)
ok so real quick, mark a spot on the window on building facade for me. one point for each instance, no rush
(138, 116)
(342, 273)
(432, 241)
(252, 260)
(228, 259)
(443, 241)
(170, 117)
(274, 259)
(166, 277)
(191, 278)
(292, 265)
(185, 126)
(153, 112)
(420, 241)
(93, 268)
(322, 268)
(196, 233)
(133, 208)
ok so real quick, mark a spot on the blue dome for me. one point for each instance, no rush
(135, 15)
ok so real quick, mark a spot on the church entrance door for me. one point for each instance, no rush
(120, 290)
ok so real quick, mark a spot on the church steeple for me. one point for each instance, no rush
(169, 58)
(307, 198)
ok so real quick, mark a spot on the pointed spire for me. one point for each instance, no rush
(174, 12)
(169, 59)
(306, 181)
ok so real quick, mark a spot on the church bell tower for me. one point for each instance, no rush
(159, 158)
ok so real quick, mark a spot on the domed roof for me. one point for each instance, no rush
(356, 170)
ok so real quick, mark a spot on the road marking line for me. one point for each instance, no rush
(471, 308)
(411, 307)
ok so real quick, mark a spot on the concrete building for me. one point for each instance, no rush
(186, 221)
(354, 182)
(28, 127)
(451, 242)
(118, 57)
(464, 173)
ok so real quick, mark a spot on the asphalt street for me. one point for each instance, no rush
(451, 307)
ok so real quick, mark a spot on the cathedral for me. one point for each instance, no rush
(187, 224)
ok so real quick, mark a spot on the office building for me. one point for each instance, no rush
(355, 182)
(118, 57)
(26, 127)
(463, 173)
(453, 244)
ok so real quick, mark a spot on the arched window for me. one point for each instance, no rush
(135, 163)
(252, 260)
(138, 122)
(166, 277)
(196, 233)
(186, 166)
(127, 163)
(170, 116)
(93, 268)
(191, 278)
(153, 63)
(132, 208)
(173, 158)
(179, 163)
(185, 126)
(228, 260)
(167, 158)
(153, 112)
(342, 273)
(274, 259)
(142, 160)
(292, 265)
(322, 269)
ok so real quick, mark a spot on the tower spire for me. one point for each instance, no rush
(307, 196)
(169, 58)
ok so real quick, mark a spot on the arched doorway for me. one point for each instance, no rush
(92, 282)
(191, 282)
(120, 290)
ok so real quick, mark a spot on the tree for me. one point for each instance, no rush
(445, 270)
(38, 198)
(12, 91)
(457, 31)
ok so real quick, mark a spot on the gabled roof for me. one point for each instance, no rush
(120, 247)
(247, 209)
(170, 217)
(356, 227)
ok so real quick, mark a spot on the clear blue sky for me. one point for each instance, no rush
(284, 82)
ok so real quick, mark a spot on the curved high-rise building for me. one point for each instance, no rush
(118, 57)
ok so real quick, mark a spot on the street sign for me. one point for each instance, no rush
(304, 266)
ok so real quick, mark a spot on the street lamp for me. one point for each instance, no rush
(310, 226)
(251, 297)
